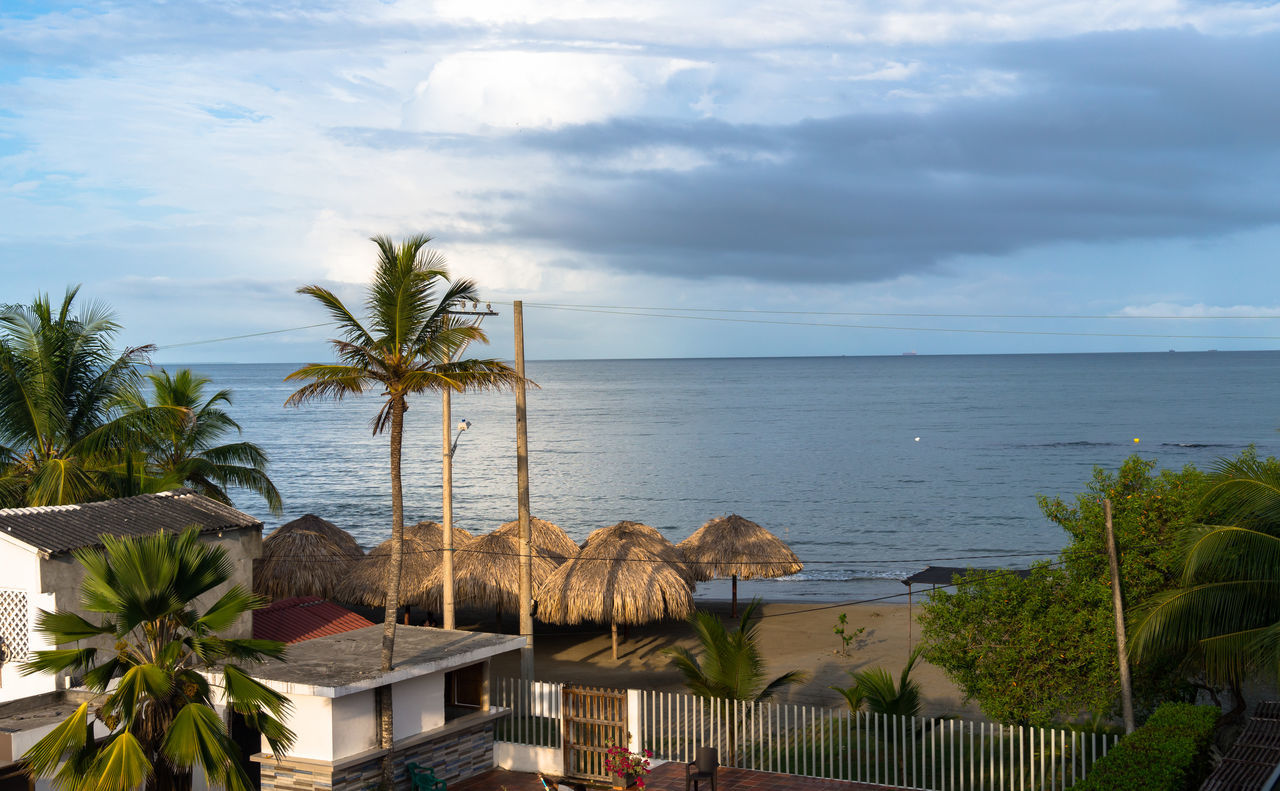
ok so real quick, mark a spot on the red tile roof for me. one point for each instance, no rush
(302, 618)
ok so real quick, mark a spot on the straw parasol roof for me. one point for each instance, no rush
(432, 534)
(646, 537)
(365, 581)
(546, 537)
(731, 546)
(616, 582)
(305, 557)
(486, 573)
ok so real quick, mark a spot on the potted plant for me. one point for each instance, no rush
(628, 768)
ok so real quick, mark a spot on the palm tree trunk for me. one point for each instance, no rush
(385, 721)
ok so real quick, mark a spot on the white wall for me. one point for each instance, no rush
(20, 570)
(527, 758)
(330, 729)
(417, 705)
(355, 724)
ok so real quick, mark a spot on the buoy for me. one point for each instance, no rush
(917, 439)
(1135, 439)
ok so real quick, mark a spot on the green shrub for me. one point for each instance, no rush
(1168, 753)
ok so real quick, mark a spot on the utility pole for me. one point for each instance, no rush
(446, 516)
(1126, 687)
(522, 484)
(446, 459)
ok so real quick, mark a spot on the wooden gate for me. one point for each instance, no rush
(593, 719)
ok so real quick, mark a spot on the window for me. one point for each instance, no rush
(464, 691)
(13, 625)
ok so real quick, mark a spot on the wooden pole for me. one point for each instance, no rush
(446, 538)
(522, 486)
(1126, 687)
(615, 641)
(733, 608)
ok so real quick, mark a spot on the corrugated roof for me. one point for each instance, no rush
(55, 529)
(1254, 756)
(302, 618)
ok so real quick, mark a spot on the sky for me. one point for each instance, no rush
(833, 178)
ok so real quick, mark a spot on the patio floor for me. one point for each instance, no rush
(670, 777)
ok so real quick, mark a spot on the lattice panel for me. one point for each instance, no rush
(13, 625)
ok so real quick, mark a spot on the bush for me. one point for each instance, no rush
(1168, 753)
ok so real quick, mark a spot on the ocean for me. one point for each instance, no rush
(870, 468)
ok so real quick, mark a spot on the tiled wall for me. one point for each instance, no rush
(454, 757)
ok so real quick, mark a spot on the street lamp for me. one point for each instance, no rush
(463, 425)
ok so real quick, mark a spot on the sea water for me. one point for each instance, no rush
(870, 468)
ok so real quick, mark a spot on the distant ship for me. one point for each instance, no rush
(908, 354)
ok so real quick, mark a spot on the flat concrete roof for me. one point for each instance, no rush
(25, 720)
(350, 662)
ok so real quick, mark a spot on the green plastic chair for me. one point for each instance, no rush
(424, 779)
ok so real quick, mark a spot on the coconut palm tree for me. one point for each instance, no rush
(151, 692)
(408, 346)
(63, 434)
(184, 427)
(731, 666)
(1225, 615)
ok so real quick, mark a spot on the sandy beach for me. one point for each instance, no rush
(794, 635)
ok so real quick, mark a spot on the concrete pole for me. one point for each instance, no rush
(522, 484)
(446, 537)
(1126, 687)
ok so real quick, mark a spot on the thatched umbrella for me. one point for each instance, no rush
(548, 538)
(646, 537)
(306, 557)
(614, 581)
(487, 572)
(432, 534)
(730, 546)
(366, 580)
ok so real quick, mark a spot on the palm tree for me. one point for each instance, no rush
(151, 692)
(1225, 616)
(876, 689)
(63, 436)
(408, 346)
(731, 667)
(181, 441)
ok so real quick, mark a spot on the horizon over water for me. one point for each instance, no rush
(820, 450)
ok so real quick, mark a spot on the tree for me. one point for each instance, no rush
(1225, 611)
(876, 689)
(155, 688)
(407, 347)
(184, 427)
(63, 436)
(1043, 648)
(731, 667)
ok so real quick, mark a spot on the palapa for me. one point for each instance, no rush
(646, 537)
(306, 557)
(731, 546)
(616, 582)
(548, 538)
(366, 580)
(432, 534)
(486, 573)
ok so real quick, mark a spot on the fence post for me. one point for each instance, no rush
(635, 722)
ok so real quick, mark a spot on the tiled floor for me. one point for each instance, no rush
(670, 777)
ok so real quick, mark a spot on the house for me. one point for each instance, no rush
(39, 572)
(440, 704)
(304, 618)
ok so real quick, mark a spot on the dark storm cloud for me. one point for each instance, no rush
(1101, 138)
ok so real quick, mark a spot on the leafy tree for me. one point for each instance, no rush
(876, 689)
(1043, 648)
(1225, 612)
(63, 436)
(184, 425)
(731, 667)
(408, 346)
(151, 690)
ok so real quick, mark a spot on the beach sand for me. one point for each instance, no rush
(793, 636)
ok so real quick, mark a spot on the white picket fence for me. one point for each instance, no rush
(926, 753)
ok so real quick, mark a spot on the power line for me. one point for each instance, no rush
(1219, 317)
(242, 337)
